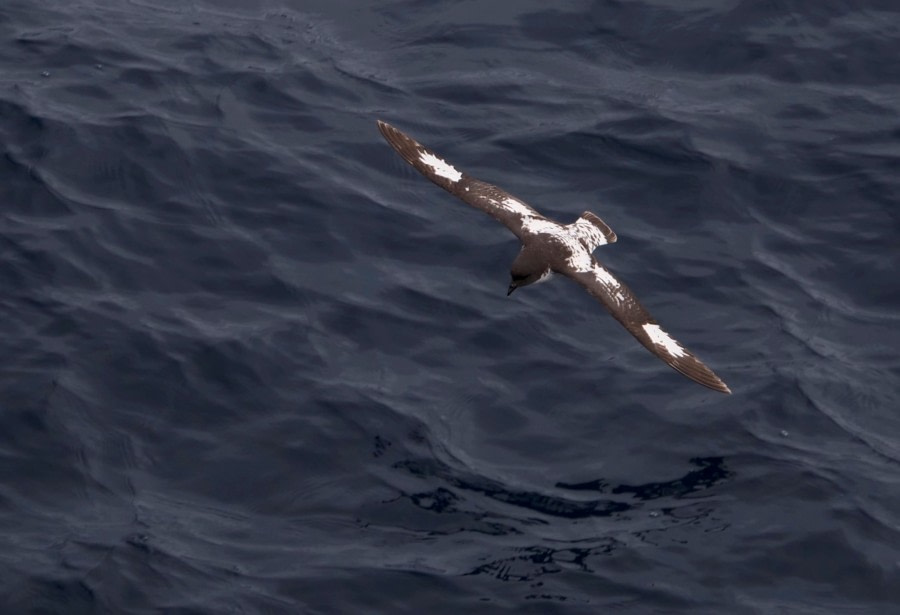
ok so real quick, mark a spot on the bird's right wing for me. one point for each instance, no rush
(490, 199)
(624, 306)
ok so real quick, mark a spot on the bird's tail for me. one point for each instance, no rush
(592, 231)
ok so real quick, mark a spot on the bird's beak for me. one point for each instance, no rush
(512, 287)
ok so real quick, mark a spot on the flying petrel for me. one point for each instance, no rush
(549, 247)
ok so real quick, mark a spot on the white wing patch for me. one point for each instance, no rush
(663, 339)
(516, 207)
(579, 259)
(605, 277)
(541, 226)
(441, 168)
(531, 222)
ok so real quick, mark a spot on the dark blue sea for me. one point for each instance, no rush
(253, 362)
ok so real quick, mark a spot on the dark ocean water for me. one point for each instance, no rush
(255, 363)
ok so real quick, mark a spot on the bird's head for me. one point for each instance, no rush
(528, 268)
(514, 283)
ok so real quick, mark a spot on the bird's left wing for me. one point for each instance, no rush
(490, 199)
(624, 306)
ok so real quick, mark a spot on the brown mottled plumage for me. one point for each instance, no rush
(549, 247)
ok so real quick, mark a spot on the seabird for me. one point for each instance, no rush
(549, 247)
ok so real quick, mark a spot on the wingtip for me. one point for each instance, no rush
(694, 369)
(715, 383)
(384, 127)
(709, 379)
(718, 384)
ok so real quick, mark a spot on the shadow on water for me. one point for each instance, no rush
(522, 535)
(516, 534)
(711, 471)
